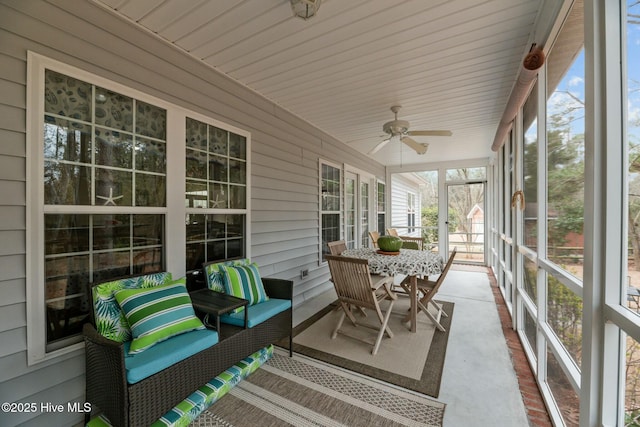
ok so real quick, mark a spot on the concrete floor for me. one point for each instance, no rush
(479, 383)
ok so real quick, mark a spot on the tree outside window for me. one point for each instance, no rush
(104, 161)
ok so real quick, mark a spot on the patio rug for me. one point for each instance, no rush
(302, 391)
(411, 360)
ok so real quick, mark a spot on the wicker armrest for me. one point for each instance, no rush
(106, 383)
(89, 332)
(278, 288)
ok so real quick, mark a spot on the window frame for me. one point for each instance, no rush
(219, 211)
(174, 210)
(411, 211)
(381, 225)
(363, 178)
(321, 211)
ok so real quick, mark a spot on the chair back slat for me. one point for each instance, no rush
(430, 289)
(352, 282)
(337, 247)
(374, 235)
(445, 270)
(351, 279)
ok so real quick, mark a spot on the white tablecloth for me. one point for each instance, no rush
(410, 262)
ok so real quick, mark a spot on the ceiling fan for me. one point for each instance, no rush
(400, 129)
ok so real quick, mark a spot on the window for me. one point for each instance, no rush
(632, 287)
(330, 194)
(466, 174)
(216, 179)
(411, 212)
(103, 192)
(382, 207)
(529, 223)
(350, 209)
(564, 395)
(631, 265)
(565, 178)
(565, 154)
(364, 213)
(429, 205)
(530, 169)
(104, 156)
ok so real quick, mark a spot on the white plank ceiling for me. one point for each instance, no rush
(451, 64)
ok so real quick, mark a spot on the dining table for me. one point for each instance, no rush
(411, 263)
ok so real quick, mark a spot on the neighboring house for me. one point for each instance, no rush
(476, 220)
(406, 202)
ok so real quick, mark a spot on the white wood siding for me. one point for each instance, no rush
(400, 186)
(285, 153)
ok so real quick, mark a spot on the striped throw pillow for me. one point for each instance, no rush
(244, 281)
(215, 276)
(110, 320)
(158, 313)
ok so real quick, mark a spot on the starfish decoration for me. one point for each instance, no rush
(110, 200)
(217, 203)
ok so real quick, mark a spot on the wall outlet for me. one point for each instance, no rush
(304, 273)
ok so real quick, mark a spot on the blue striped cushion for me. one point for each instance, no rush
(215, 276)
(244, 281)
(156, 314)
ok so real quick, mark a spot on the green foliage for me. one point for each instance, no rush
(565, 186)
(531, 280)
(564, 315)
(632, 419)
(571, 219)
(430, 223)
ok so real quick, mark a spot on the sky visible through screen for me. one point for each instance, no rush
(633, 71)
(569, 95)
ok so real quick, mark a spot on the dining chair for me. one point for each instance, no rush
(355, 287)
(410, 242)
(374, 235)
(429, 288)
(337, 247)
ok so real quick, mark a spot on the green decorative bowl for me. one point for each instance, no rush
(389, 243)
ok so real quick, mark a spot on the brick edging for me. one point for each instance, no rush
(531, 396)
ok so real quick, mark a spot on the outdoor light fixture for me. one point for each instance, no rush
(305, 9)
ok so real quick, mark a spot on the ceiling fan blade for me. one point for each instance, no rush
(419, 148)
(429, 133)
(378, 147)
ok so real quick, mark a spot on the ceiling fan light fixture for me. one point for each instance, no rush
(305, 9)
(399, 130)
(396, 127)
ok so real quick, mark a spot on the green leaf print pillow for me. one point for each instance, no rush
(110, 320)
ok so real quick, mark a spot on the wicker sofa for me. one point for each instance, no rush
(143, 402)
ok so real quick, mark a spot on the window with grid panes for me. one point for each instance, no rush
(104, 167)
(330, 193)
(215, 193)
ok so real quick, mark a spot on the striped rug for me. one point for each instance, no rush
(410, 360)
(302, 391)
